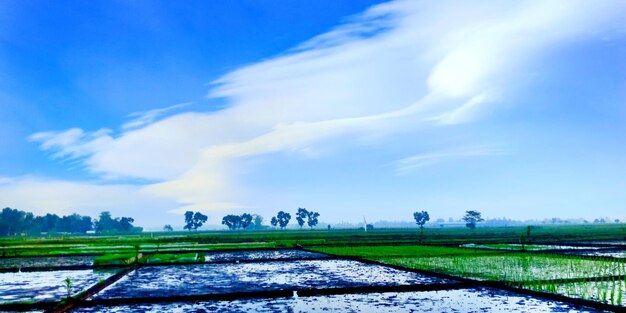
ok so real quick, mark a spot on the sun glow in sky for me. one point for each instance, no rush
(350, 108)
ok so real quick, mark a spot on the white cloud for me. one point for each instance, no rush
(412, 163)
(73, 143)
(400, 65)
(140, 119)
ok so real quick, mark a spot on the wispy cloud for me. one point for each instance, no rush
(43, 195)
(410, 164)
(399, 66)
(139, 119)
(73, 143)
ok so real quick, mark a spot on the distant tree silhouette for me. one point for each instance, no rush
(471, 218)
(188, 220)
(274, 221)
(194, 220)
(246, 220)
(420, 219)
(107, 224)
(301, 215)
(232, 221)
(198, 220)
(126, 223)
(168, 227)
(257, 221)
(283, 219)
(312, 218)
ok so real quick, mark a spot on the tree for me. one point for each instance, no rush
(257, 221)
(11, 221)
(312, 218)
(198, 220)
(369, 227)
(194, 220)
(471, 218)
(105, 222)
(420, 219)
(283, 219)
(246, 220)
(232, 221)
(301, 215)
(168, 227)
(274, 221)
(126, 224)
(188, 220)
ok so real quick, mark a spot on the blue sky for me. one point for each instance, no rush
(350, 108)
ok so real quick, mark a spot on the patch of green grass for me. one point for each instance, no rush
(512, 267)
(218, 240)
(173, 258)
(115, 259)
(373, 252)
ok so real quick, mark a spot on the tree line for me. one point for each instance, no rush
(16, 222)
(254, 221)
(471, 218)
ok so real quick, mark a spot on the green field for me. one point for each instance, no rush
(223, 240)
(488, 253)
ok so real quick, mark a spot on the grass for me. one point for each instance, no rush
(514, 267)
(217, 240)
(173, 258)
(375, 252)
(115, 259)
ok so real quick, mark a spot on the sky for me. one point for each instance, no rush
(350, 108)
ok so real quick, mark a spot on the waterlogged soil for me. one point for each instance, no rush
(612, 253)
(607, 242)
(262, 255)
(26, 262)
(530, 247)
(197, 279)
(44, 286)
(462, 300)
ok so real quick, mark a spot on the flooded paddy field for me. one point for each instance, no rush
(199, 279)
(611, 291)
(278, 254)
(341, 271)
(45, 285)
(459, 300)
(528, 247)
(596, 279)
(612, 253)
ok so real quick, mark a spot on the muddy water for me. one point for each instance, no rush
(241, 277)
(50, 285)
(262, 254)
(464, 300)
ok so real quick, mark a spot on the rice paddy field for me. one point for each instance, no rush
(558, 269)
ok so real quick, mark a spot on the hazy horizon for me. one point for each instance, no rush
(351, 109)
